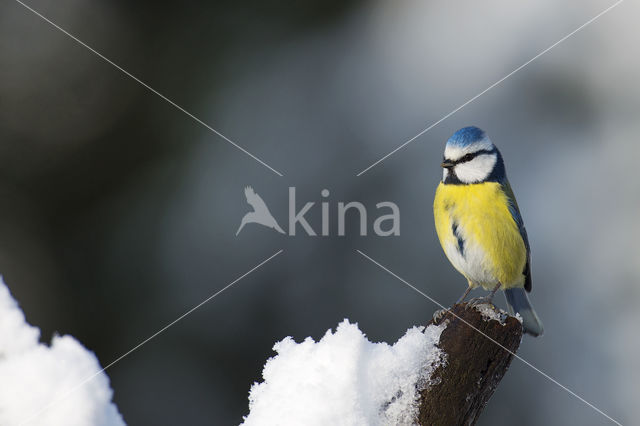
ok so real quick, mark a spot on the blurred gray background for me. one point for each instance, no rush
(119, 212)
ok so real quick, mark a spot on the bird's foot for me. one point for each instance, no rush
(486, 300)
(439, 314)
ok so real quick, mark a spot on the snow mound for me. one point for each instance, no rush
(33, 375)
(344, 379)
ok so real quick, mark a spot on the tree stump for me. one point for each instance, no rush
(474, 365)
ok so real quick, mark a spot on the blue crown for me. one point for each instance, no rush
(466, 136)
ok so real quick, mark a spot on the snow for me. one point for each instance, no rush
(344, 379)
(33, 375)
(519, 317)
(491, 312)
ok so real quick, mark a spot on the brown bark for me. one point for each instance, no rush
(473, 368)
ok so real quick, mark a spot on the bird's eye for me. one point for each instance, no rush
(467, 157)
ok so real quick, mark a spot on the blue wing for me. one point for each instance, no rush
(515, 213)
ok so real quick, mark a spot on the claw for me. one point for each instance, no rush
(437, 315)
(486, 300)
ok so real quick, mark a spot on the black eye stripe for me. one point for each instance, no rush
(471, 156)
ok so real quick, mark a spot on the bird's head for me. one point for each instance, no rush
(470, 157)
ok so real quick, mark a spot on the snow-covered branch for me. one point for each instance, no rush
(442, 374)
(476, 362)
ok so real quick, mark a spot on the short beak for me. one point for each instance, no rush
(446, 164)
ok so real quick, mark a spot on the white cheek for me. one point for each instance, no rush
(445, 173)
(477, 169)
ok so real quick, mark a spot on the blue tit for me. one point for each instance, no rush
(479, 224)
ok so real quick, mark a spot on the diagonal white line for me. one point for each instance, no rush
(145, 85)
(492, 340)
(145, 341)
(490, 87)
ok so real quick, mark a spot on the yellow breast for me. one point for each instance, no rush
(487, 247)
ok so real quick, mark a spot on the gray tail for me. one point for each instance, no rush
(518, 302)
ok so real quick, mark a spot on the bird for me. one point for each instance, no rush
(479, 224)
(260, 213)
